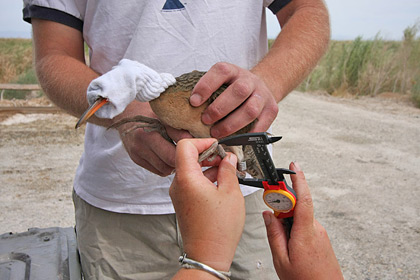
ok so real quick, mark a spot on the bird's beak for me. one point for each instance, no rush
(91, 110)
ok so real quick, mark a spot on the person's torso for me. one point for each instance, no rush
(169, 36)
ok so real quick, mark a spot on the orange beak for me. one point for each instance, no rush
(91, 110)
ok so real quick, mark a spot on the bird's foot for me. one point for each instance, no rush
(146, 123)
(210, 154)
(217, 150)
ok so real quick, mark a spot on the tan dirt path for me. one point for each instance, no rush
(360, 156)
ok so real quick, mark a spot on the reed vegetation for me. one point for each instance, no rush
(16, 65)
(370, 67)
(358, 67)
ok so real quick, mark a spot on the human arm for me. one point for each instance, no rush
(211, 218)
(307, 253)
(64, 76)
(302, 41)
(60, 66)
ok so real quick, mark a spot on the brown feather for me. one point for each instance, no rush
(173, 108)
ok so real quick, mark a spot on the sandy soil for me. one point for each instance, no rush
(360, 156)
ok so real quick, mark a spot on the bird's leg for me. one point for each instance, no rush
(148, 124)
(217, 150)
(151, 124)
(210, 154)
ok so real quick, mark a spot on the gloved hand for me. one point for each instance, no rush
(125, 82)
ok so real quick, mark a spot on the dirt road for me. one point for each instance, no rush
(361, 158)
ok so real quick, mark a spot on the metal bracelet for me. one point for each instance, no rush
(189, 263)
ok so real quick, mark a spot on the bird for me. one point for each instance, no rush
(173, 108)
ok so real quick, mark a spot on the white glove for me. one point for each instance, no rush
(125, 82)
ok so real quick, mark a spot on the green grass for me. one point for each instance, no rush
(370, 67)
(27, 77)
(358, 67)
(16, 65)
(15, 58)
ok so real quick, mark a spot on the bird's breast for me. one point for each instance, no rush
(175, 110)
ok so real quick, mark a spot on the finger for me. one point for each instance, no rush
(176, 135)
(188, 170)
(211, 174)
(158, 156)
(239, 118)
(213, 162)
(277, 238)
(187, 153)
(266, 118)
(236, 94)
(163, 171)
(162, 149)
(304, 210)
(226, 177)
(218, 74)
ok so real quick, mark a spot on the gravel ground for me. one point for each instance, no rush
(361, 158)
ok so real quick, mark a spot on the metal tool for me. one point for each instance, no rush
(277, 194)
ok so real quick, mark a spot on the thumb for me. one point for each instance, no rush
(226, 176)
(277, 237)
(304, 211)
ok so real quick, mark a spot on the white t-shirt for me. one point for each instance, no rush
(172, 36)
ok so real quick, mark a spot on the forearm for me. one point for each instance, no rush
(61, 68)
(297, 49)
(65, 80)
(193, 274)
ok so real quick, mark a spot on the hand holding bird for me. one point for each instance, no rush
(173, 108)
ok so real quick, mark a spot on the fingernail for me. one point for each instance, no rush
(267, 218)
(215, 133)
(297, 166)
(205, 118)
(195, 99)
(232, 159)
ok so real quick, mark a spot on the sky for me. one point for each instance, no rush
(349, 19)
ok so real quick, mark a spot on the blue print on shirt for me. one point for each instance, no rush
(173, 5)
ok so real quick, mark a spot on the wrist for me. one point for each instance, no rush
(189, 263)
(268, 73)
(217, 265)
(211, 256)
(185, 273)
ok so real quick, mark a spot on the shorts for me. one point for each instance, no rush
(129, 246)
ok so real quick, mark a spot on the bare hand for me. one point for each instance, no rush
(308, 253)
(149, 149)
(246, 99)
(211, 218)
